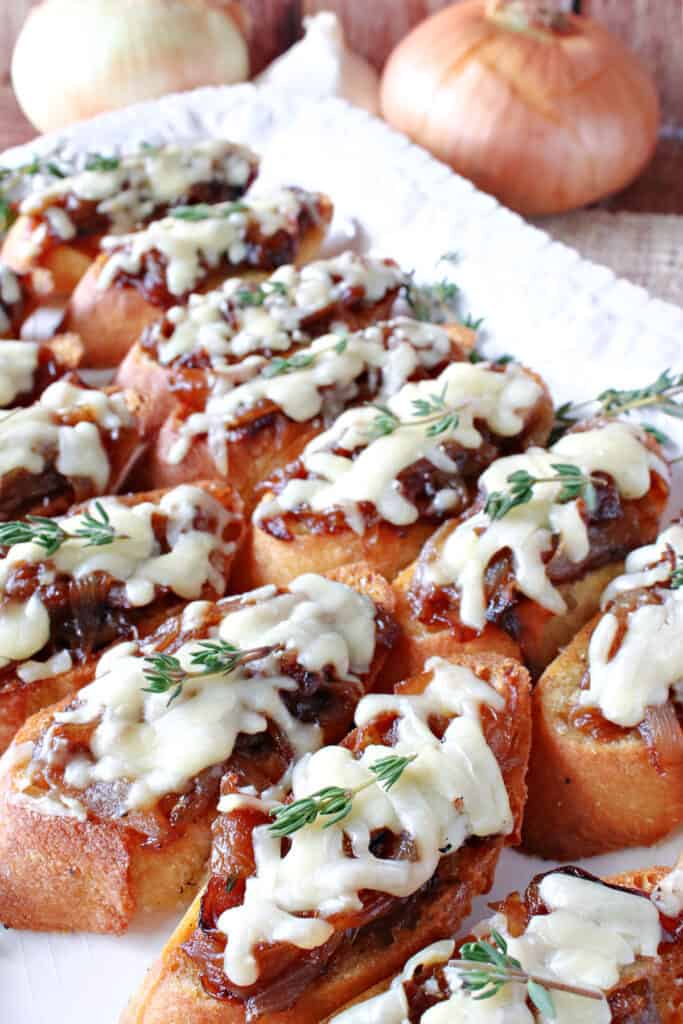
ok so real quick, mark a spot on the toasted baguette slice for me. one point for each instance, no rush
(27, 368)
(72, 444)
(356, 494)
(200, 345)
(156, 551)
(173, 991)
(91, 857)
(607, 765)
(648, 990)
(468, 579)
(60, 227)
(140, 276)
(246, 432)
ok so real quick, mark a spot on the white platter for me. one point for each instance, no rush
(572, 320)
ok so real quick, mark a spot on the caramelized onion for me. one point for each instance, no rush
(663, 736)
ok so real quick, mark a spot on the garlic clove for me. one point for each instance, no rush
(321, 65)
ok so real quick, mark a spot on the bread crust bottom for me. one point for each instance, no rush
(172, 992)
(589, 796)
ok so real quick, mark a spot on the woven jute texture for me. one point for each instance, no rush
(645, 248)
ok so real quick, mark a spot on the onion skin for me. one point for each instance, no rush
(73, 60)
(546, 121)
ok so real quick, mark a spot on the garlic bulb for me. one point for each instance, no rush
(320, 65)
(74, 59)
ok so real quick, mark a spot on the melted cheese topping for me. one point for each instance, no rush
(389, 353)
(134, 558)
(649, 659)
(18, 363)
(336, 481)
(130, 193)
(454, 789)
(590, 933)
(529, 530)
(159, 747)
(227, 324)
(668, 896)
(34, 438)
(190, 246)
(10, 293)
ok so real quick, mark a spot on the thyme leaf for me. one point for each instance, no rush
(575, 484)
(333, 802)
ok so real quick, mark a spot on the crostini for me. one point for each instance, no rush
(107, 799)
(138, 277)
(607, 767)
(245, 431)
(573, 948)
(377, 483)
(380, 846)
(27, 368)
(529, 562)
(61, 225)
(195, 347)
(74, 443)
(113, 569)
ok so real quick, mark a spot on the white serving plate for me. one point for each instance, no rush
(573, 321)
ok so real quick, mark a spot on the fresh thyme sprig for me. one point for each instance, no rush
(95, 529)
(302, 360)
(164, 672)
(334, 802)
(432, 412)
(575, 484)
(98, 162)
(676, 578)
(485, 967)
(258, 295)
(203, 211)
(660, 396)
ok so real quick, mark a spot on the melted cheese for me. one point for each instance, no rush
(668, 896)
(226, 326)
(189, 247)
(134, 558)
(590, 933)
(35, 438)
(159, 747)
(327, 384)
(479, 394)
(649, 659)
(18, 363)
(617, 449)
(130, 193)
(454, 789)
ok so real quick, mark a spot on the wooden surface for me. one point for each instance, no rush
(654, 28)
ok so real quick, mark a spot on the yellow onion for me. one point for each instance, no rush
(74, 59)
(545, 110)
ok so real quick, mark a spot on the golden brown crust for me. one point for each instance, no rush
(274, 442)
(590, 796)
(65, 263)
(417, 642)
(172, 993)
(60, 874)
(387, 548)
(110, 320)
(20, 700)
